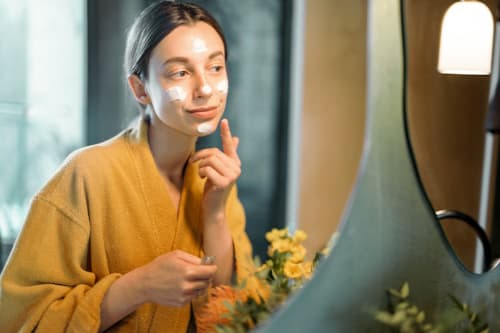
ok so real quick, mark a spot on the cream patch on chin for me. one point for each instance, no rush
(204, 128)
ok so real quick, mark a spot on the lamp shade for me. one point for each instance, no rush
(466, 42)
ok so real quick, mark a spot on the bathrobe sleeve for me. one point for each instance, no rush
(46, 286)
(235, 217)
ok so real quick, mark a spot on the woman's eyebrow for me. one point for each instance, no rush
(216, 54)
(176, 59)
(185, 60)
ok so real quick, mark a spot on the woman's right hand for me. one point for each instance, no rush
(172, 279)
(175, 278)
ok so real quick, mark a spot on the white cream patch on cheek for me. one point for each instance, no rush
(199, 45)
(222, 86)
(175, 94)
(204, 128)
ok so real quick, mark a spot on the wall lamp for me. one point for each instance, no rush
(466, 43)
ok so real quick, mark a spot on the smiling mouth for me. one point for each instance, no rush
(204, 113)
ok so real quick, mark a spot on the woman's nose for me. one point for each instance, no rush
(203, 88)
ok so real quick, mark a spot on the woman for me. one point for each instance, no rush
(114, 240)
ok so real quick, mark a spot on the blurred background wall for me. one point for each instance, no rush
(333, 113)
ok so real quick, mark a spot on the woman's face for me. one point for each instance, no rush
(187, 79)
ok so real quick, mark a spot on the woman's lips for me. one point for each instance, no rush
(204, 113)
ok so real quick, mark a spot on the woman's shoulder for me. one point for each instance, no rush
(94, 156)
(88, 174)
(112, 152)
(92, 164)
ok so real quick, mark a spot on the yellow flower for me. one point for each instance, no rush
(270, 251)
(325, 251)
(298, 253)
(293, 270)
(308, 269)
(299, 236)
(273, 235)
(257, 289)
(280, 245)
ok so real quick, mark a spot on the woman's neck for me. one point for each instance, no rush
(170, 149)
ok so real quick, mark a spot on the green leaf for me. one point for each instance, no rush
(227, 315)
(383, 317)
(263, 274)
(420, 317)
(402, 305)
(256, 261)
(395, 293)
(457, 303)
(398, 318)
(228, 305)
(473, 318)
(405, 290)
(413, 310)
(427, 327)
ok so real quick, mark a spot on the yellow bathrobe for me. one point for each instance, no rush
(104, 213)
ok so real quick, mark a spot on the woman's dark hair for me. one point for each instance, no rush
(153, 24)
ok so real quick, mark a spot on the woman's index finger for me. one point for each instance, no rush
(227, 139)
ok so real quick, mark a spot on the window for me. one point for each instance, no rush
(41, 100)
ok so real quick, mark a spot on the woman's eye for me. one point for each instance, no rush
(216, 68)
(179, 74)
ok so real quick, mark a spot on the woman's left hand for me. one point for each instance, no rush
(221, 168)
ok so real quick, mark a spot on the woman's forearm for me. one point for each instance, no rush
(217, 241)
(123, 297)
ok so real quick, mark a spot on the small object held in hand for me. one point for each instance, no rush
(208, 260)
(202, 295)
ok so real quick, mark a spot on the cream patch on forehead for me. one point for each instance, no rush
(175, 94)
(204, 128)
(199, 45)
(222, 86)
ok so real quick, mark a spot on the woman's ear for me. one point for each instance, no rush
(138, 89)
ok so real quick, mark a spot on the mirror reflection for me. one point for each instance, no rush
(446, 121)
